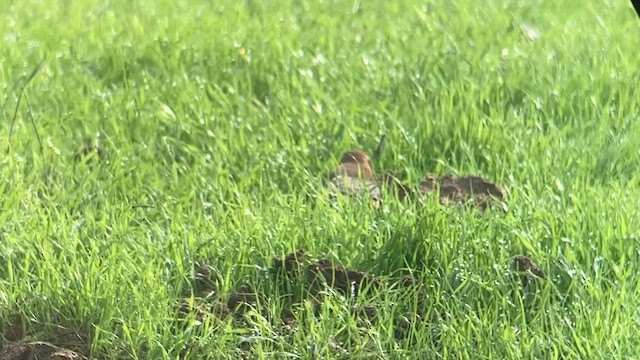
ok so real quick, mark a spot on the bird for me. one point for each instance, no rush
(354, 176)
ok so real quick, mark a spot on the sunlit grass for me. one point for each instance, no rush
(221, 118)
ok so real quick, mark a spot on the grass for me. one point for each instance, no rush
(219, 119)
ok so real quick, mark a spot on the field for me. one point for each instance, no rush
(166, 152)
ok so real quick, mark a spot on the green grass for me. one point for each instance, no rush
(220, 118)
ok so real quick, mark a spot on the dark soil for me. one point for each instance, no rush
(206, 279)
(291, 265)
(527, 269)
(314, 276)
(64, 345)
(467, 189)
(242, 299)
(451, 190)
(347, 281)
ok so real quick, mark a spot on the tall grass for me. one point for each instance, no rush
(221, 118)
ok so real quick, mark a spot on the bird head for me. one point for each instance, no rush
(357, 157)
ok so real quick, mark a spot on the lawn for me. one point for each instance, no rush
(217, 121)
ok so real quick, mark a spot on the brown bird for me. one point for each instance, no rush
(354, 176)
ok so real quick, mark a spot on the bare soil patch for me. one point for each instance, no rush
(467, 189)
(528, 270)
(61, 345)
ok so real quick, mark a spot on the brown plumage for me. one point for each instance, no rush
(354, 176)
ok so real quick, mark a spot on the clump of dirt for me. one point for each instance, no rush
(61, 346)
(369, 313)
(467, 189)
(201, 300)
(202, 308)
(291, 265)
(451, 190)
(242, 299)
(12, 329)
(527, 269)
(17, 350)
(347, 281)
(404, 324)
(314, 276)
(302, 281)
(206, 279)
(354, 175)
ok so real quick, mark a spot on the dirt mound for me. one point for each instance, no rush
(291, 264)
(206, 279)
(355, 176)
(61, 346)
(203, 308)
(242, 299)
(314, 276)
(305, 281)
(528, 270)
(453, 191)
(347, 281)
(202, 299)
